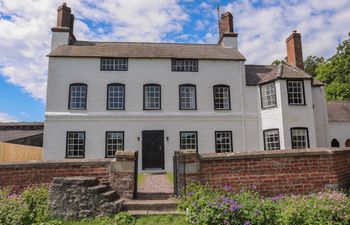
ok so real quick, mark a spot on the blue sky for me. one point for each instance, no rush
(262, 26)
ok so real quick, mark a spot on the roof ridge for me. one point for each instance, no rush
(144, 42)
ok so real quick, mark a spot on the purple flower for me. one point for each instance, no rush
(247, 223)
(276, 198)
(234, 207)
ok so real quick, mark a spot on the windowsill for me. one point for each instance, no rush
(269, 107)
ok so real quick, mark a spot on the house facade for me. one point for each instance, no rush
(161, 97)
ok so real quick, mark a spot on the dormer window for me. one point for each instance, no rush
(184, 65)
(114, 64)
(296, 94)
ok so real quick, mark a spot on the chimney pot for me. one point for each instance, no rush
(294, 50)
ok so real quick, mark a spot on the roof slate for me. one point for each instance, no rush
(260, 74)
(338, 111)
(10, 135)
(146, 50)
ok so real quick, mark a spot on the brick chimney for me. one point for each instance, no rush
(294, 50)
(63, 32)
(228, 38)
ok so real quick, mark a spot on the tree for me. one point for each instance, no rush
(311, 63)
(335, 73)
(283, 61)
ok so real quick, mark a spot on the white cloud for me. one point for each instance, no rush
(4, 117)
(25, 32)
(262, 31)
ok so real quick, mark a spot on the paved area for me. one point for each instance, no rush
(156, 183)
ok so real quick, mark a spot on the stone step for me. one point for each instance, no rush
(98, 189)
(151, 205)
(110, 195)
(154, 196)
(150, 212)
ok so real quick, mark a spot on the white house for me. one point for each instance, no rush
(161, 97)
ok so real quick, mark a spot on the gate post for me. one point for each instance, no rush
(186, 169)
(124, 174)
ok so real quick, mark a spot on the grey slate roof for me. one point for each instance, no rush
(260, 74)
(10, 135)
(338, 111)
(146, 50)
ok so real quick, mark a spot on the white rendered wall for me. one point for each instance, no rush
(320, 116)
(272, 118)
(96, 120)
(339, 131)
(59, 38)
(298, 115)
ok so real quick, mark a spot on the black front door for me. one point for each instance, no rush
(153, 149)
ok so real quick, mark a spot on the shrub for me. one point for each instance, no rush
(31, 207)
(123, 218)
(208, 207)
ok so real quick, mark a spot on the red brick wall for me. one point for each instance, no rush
(276, 172)
(22, 175)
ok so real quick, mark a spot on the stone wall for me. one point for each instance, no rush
(272, 172)
(81, 197)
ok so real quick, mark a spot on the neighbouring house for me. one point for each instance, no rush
(339, 123)
(161, 97)
(23, 133)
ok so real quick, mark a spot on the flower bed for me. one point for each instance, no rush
(205, 206)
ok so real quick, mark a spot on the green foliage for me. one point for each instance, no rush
(31, 207)
(335, 73)
(283, 61)
(207, 207)
(311, 63)
(123, 218)
(161, 219)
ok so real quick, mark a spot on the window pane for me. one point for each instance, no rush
(221, 97)
(268, 95)
(114, 142)
(223, 141)
(152, 96)
(299, 138)
(116, 96)
(119, 64)
(272, 140)
(187, 97)
(77, 96)
(185, 65)
(75, 144)
(188, 140)
(295, 92)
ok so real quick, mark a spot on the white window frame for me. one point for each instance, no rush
(272, 139)
(299, 137)
(187, 97)
(296, 92)
(115, 96)
(114, 143)
(184, 65)
(223, 141)
(77, 96)
(187, 141)
(152, 97)
(114, 64)
(75, 144)
(268, 95)
(222, 98)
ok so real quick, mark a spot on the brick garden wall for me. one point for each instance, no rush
(273, 172)
(22, 175)
(117, 173)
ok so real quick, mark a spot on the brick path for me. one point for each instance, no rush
(156, 183)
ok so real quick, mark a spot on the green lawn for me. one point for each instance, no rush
(140, 177)
(143, 220)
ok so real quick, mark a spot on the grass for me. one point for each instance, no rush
(170, 176)
(140, 177)
(143, 220)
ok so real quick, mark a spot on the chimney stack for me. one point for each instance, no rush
(228, 38)
(294, 50)
(63, 32)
